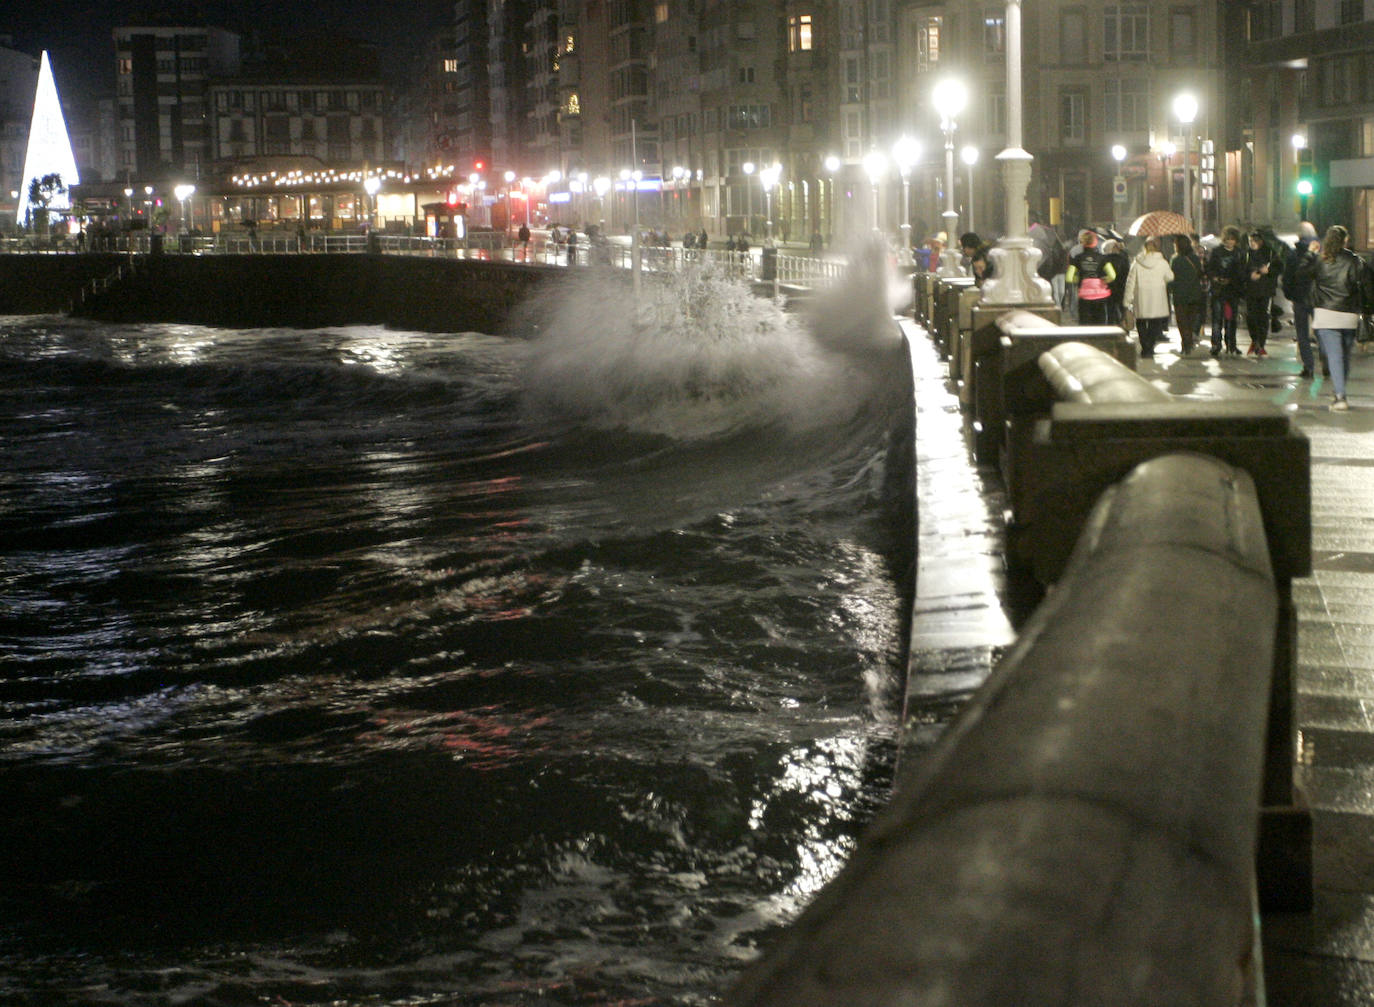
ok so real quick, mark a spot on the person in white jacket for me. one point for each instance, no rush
(1147, 296)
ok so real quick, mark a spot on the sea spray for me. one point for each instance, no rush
(698, 355)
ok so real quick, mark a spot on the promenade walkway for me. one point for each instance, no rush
(964, 616)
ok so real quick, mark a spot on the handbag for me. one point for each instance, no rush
(1365, 332)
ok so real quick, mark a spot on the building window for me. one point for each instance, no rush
(661, 11)
(1073, 36)
(1126, 32)
(853, 81)
(799, 33)
(747, 117)
(1072, 116)
(994, 35)
(1303, 18)
(879, 18)
(853, 135)
(1352, 11)
(927, 44)
(1181, 33)
(450, 66)
(1128, 105)
(882, 74)
(744, 75)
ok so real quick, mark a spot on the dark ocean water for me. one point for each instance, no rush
(357, 666)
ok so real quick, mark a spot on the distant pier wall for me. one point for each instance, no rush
(293, 290)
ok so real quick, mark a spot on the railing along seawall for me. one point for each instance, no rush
(1084, 831)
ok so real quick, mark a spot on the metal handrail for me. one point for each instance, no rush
(795, 270)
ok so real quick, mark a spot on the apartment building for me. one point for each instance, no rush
(162, 73)
(1304, 93)
(18, 82)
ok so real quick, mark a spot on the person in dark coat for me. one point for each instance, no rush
(1342, 290)
(1226, 278)
(1263, 266)
(1297, 287)
(1121, 266)
(1187, 292)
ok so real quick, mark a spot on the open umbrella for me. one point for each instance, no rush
(1159, 222)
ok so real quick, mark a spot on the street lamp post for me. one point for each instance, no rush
(832, 165)
(183, 192)
(874, 166)
(748, 168)
(602, 185)
(1167, 150)
(1185, 107)
(969, 155)
(1302, 186)
(372, 185)
(768, 178)
(950, 97)
(1014, 280)
(906, 152)
(1119, 182)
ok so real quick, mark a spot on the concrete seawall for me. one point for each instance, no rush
(439, 295)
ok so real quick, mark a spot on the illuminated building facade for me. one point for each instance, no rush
(18, 83)
(162, 73)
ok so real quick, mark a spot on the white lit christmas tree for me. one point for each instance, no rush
(50, 149)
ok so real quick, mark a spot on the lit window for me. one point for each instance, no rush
(799, 33)
(450, 66)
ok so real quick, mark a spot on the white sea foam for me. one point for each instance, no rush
(699, 355)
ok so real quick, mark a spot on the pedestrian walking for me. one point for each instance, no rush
(1263, 266)
(1146, 296)
(1054, 258)
(1297, 287)
(1090, 274)
(1342, 290)
(1187, 292)
(1226, 278)
(1121, 268)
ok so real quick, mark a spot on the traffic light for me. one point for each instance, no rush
(1306, 176)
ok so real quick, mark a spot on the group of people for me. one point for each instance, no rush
(1329, 287)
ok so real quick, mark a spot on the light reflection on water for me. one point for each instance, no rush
(341, 683)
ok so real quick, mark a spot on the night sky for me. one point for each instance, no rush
(78, 32)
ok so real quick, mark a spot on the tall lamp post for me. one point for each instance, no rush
(1185, 108)
(906, 152)
(832, 165)
(874, 166)
(768, 178)
(1014, 280)
(969, 155)
(950, 97)
(184, 192)
(372, 185)
(1302, 186)
(1167, 150)
(748, 168)
(1119, 182)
